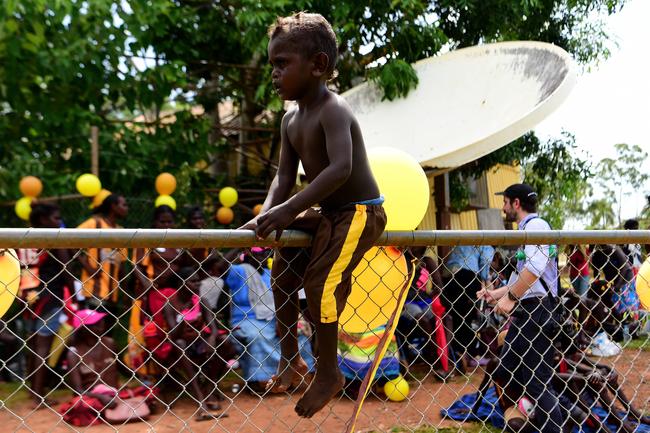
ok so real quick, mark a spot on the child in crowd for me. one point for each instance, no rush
(92, 375)
(45, 301)
(579, 272)
(92, 366)
(212, 286)
(183, 336)
(323, 134)
(252, 319)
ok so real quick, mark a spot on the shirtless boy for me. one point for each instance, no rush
(323, 134)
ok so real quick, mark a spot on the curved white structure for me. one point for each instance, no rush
(468, 102)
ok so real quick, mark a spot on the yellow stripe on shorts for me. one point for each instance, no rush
(328, 301)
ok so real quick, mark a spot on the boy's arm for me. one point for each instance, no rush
(336, 122)
(284, 180)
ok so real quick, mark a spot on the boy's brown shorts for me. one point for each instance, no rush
(340, 239)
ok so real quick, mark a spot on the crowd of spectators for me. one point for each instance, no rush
(195, 314)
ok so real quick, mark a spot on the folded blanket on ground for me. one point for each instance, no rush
(84, 410)
(489, 411)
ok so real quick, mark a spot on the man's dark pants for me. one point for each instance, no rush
(527, 360)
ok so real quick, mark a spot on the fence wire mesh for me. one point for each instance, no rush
(134, 330)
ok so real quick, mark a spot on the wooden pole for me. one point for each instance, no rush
(94, 150)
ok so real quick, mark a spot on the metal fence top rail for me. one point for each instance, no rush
(186, 238)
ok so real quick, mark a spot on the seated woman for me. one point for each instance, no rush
(182, 336)
(252, 320)
(92, 374)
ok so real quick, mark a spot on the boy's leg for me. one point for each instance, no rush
(338, 247)
(289, 266)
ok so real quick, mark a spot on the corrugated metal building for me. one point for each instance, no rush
(485, 206)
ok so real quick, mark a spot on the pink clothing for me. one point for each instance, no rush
(155, 331)
(192, 313)
(421, 283)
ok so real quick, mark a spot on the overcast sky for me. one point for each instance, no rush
(611, 104)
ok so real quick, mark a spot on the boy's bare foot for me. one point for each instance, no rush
(289, 375)
(319, 393)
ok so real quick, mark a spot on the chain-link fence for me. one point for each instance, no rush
(179, 330)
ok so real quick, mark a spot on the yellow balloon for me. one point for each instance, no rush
(643, 284)
(375, 285)
(397, 389)
(9, 279)
(228, 196)
(404, 185)
(165, 184)
(225, 215)
(30, 186)
(166, 200)
(23, 208)
(88, 185)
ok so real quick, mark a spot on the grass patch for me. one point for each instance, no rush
(639, 344)
(13, 394)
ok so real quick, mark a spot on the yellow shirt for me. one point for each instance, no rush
(105, 283)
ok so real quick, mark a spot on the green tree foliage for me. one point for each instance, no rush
(65, 66)
(136, 68)
(561, 177)
(555, 169)
(600, 214)
(619, 177)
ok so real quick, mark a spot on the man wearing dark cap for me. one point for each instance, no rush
(530, 296)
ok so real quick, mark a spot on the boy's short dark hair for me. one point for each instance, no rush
(312, 33)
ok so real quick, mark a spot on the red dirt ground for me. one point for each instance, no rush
(275, 413)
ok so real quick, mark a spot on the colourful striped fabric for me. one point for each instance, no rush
(357, 351)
